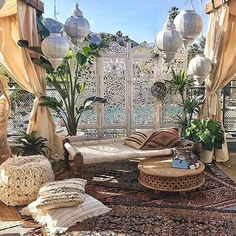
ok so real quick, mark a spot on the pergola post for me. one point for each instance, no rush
(37, 4)
(214, 4)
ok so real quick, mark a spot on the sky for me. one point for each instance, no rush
(141, 20)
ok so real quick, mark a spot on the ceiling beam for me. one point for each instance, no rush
(37, 4)
(214, 4)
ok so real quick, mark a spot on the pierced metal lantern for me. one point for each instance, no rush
(189, 24)
(2, 2)
(159, 90)
(169, 40)
(77, 27)
(55, 47)
(200, 66)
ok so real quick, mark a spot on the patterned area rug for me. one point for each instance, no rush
(137, 210)
(117, 184)
(152, 221)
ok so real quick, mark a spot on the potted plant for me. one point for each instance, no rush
(31, 144)
(179, 84)
(66, 79)
(208, 133)
(70, 87)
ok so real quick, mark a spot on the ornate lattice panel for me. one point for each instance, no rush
(88, 75)
(169, 106)
(143, 76)
(124, 76)
(114, 90)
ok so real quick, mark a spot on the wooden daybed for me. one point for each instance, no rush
(98, 151)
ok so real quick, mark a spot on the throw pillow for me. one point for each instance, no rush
(137, 139)
(69, 192)
(164, 138)
(60, 219)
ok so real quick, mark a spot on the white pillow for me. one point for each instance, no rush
(60, 219)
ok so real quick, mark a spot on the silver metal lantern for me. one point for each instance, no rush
(189, 24)
(77, 27)
(200, 66)
(55, 47)
(169, 40)
(2, 2)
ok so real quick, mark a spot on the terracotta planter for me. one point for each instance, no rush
(206, 156)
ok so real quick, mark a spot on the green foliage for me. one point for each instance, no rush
(32, 145)
(3, 72)
(70, 88)
(207, 131)
(180, 84)
(43, 62)
(43, 31)
(173, 12)
(196, 49)
(25, 44)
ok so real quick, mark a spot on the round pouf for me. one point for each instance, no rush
(21, 178)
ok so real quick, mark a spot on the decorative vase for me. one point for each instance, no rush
(206, 156)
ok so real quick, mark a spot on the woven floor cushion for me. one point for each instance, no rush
(63, 193)
(22, 177)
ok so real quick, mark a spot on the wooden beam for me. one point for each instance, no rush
(212, 5)
(37, 4)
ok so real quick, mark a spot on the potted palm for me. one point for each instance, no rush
(209, 134)
(32, 144)
(190, 106)
(66, 79)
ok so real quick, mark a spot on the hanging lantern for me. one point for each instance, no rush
(189, 24)
(77, 27)
(169, 40)
(2, 2)
(55, 47)
(200, 66)
(159, 90)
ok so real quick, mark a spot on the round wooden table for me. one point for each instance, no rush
(157, 173)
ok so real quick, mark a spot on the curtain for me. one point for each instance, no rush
(221, 49)
(22, 25)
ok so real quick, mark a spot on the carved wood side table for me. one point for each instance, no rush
(157, 174)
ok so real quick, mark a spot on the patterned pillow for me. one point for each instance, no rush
(137, 139)
(164, 138)
(60, 219)
(62, 193)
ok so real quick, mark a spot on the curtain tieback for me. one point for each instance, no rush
(212, 98)
(37, 100)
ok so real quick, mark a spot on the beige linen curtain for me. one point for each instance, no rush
(221, 49)
(20, 23)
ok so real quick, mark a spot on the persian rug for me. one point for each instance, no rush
(154, 221)
(137, 210)
(117, 184)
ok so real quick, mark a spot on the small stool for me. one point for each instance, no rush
(21, 178)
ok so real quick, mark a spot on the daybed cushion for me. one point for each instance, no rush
(60, 219)
(161, 139)
(113, 150)
(138, 139)
(69, 192)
